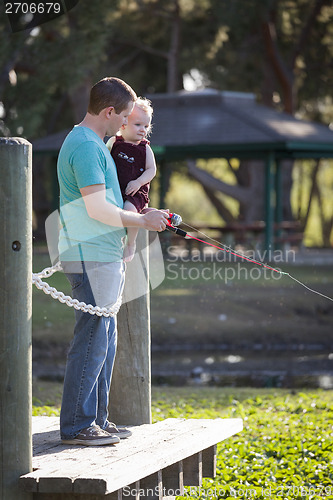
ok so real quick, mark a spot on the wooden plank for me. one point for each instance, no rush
(209, 461)
(116, 495)
(173, 481)
(132, 491)
(88, 485)
(151, 459)
(192, 468)
(68, 459)
(151, 448)
(51, 496)
(28, 484)
(46, 434)
(151, 487)
(114, 476)
(71, 496)
(55, 484)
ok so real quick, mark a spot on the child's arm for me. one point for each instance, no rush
(111, 142)
(149, 173)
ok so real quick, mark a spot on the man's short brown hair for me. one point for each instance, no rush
(110, 91)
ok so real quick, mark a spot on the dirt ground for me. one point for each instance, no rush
(223, 313)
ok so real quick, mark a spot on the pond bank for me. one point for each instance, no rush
(271, 365)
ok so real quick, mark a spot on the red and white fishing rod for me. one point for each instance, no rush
(175, 220)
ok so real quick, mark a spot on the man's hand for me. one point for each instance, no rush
(132, 187)
(156, 220)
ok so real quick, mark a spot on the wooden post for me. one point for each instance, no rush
(15, 314)
(130, 394)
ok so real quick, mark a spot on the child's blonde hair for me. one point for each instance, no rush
(145, 104)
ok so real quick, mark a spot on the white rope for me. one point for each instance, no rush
(66, 299)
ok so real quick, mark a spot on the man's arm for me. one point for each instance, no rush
(100, 209)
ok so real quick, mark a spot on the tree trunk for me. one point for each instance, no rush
(79, 99)
(173, 54)
(249, 191)
(41, 204)
(251, 177)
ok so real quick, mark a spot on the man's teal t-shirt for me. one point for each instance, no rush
(84, 160)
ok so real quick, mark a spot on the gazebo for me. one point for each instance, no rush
(215, 124)
(220, 124)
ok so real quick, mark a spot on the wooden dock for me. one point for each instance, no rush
(157, 461)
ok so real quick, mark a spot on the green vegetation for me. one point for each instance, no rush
(285, 450)
(286, 443)
(51, 320)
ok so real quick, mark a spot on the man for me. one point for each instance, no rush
(91, 253)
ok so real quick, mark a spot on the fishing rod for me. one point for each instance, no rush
(175, 220)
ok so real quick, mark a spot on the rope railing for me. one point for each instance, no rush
(67, 299)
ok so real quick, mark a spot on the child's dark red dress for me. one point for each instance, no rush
(130, 160)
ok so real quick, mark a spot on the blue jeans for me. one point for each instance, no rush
(92, 352)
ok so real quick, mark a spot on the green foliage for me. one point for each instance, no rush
(241, 56)
(51, 320)
(49, 62)
(187, 197)
(134, 40)
(285, 449)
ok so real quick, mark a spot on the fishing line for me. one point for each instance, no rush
(176, 220)
(230, 250)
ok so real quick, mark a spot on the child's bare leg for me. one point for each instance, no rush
(147, 209)
(132, 233)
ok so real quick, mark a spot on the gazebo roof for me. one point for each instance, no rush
(50, 143)
(215, 124)
(212, 123)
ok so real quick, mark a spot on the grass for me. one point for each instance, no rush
(286, 443)
(285, 450)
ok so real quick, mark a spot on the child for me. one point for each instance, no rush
(135, 164)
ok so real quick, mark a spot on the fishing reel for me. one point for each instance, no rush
(175, 220)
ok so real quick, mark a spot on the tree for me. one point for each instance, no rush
(46, 73)
(280, 31)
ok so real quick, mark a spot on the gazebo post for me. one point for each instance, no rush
(269, 201)
(278, 198)
(163, 182)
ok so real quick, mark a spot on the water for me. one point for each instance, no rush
(261, 368)
(255, 365)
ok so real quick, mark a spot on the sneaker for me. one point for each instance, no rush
(121, 432)
(93, 436)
